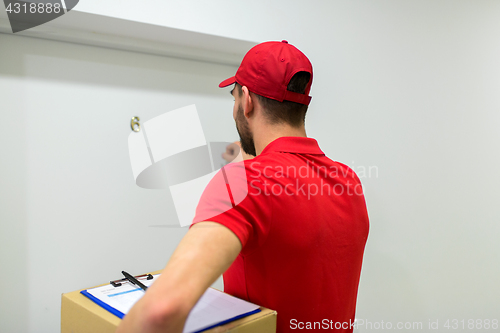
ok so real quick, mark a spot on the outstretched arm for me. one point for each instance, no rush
(232, 151)
(205, 252)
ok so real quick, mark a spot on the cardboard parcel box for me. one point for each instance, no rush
(79, 314)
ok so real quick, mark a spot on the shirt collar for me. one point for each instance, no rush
(293, 144)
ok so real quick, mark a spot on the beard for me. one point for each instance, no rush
(246, 136)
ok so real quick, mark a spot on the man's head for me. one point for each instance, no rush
(274, 79)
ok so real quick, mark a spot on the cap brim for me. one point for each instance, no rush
(227, 82)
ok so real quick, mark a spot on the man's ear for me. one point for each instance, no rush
(247, 102)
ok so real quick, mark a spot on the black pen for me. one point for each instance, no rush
(133, 280)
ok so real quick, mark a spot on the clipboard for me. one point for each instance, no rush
(214, 308)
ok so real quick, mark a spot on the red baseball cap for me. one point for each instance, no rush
(267, 69)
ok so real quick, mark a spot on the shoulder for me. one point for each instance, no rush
(345, 171)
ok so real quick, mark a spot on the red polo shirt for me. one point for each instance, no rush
(303, 225)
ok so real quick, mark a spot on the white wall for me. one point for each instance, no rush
(71, 215)
(409, 87)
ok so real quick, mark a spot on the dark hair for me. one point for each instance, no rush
(286, 112)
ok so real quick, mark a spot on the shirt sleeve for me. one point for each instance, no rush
(229, 200)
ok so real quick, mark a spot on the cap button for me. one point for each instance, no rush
(284, 41)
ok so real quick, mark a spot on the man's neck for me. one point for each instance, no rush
(266, 134)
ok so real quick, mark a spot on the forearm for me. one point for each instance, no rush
(152, 314)
(206, 251)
